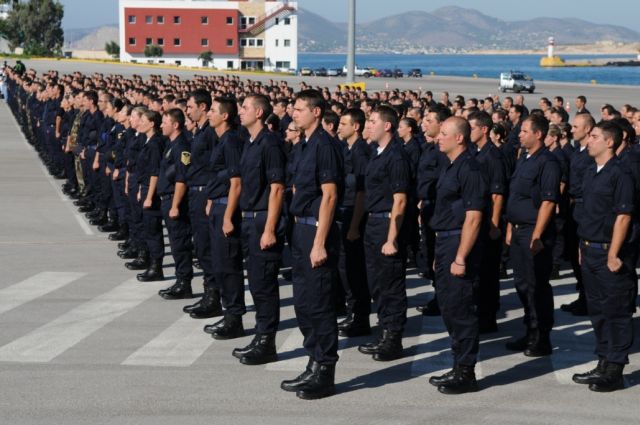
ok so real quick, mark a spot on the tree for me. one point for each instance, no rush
(112, 48)
(152, 51)
(206, 57)
(35, 25)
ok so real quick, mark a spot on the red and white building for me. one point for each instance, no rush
(241, 34)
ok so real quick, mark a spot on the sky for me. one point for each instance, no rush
(92, 13)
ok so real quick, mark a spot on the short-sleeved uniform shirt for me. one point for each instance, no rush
(460, 188)
(429, 169)
(320, 163)
(607, 193)
(356, 159)
(388, 173)
(224, 163)
(172, 155)
(293, 158)
(148, 164)
(263, 163)
(536, 179)
(196, 164)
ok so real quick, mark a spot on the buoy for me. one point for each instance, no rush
(594, 82)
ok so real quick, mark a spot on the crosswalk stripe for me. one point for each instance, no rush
(49, 341)
(433, 344)
(34, 287)
(180, 345)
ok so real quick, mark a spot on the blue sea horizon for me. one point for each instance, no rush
(484, 66)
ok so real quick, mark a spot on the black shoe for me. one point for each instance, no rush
(262, 352)
(430, 309)
(341, 310)
(592, 376)
(519, 344)
(577, 307)
(95, 213)
(321, 383)
(239, 352)
(539, 345)
(210, 329)
(301, 380)
(372, 346)
(178, 291)
(555, 272)
(358, 327)
(111, 226)
(390, 347)
(611, 380)
(463, 381)
(196, 263)
(140, 263)
(348, 321)
(208, 306)
(232, 328)
(99, 221)
(121, 235)
(124, 245)
(86, 208)
(153, 273)
(442, 379)
(128, 253)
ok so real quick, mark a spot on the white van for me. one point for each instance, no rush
(517, 82)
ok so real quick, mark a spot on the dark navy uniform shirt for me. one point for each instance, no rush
(120, 146)
(104, 133)
(224, 163)
(263, 163)
(412, 147)
(510, 155)
(536, 179)
(113, 139)
(580, 161)
(148, 164)
(460, 188)
(198, 171)
(168, 175)
(134, 141)
(356, 159)
(388, 173)
(293, 158)
(89, 128)
(320, 163)
(492, 165)
(429, 169)
(606, 194)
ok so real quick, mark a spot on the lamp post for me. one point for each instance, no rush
(351, 42)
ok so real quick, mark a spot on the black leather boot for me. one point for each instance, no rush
(210, 329)
(178, 291)
(128, 253)
(121, 235)
(141, 262)
(444, 378)
(208, 306)
(357, 326)
(373, 346)
(430, 309)
(230, 329)
(263, 351)
(390, 347)
(239, 352)
(99, 220)
(540, 344)
(97, 212)
(611, 380)
(153, 273)
(321, 384)
(592, 376)
(519, 344)
(463, 381)
(301, 380)
(111, 226)
(347, 321)
(124, 245)
(88, 207)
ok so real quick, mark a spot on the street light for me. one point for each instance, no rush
(351, 43)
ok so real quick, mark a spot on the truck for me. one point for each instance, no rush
(359, 72)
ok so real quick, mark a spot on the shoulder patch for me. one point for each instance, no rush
(185, 158)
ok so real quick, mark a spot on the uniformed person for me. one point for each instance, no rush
(119, 173)
(225, 221)
(387, 189)
(492, 164)
(533, 195)
(148, 167)
(456, 221)
(262, 170)
(608, 268)
(174, 204)
(317, 188)
(351, 220)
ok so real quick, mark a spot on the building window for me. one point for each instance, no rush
(277, 42)
(229, 64)
(161, 42)
(243, 42)
(229, 20)
(148, 41)
(259, 42)
(204, 20)
(247, 21)
(283, 64)
(176, 41)
(277, 21)
(229, 42)
(148, 19)
(287, 21)
(176, 20)
(287, 43)
(132, 19)
(204, 42)
(160, 19)
(252, 42)
(132, 41)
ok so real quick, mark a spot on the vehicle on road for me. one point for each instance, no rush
(334, 72)
(516, 81)
(361, 72)
(305, 72)
(320, 72)
(415, 72)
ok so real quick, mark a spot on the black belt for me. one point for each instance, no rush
(197, 188)
(250, 215)
(166, 196)
(310, 221)
(521, 226)
(597, 245)
(380, 215)
(220, 201)
(446, 233)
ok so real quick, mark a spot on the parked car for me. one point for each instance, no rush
(386, 73)
(516, 81)
(397, 73)
(360, 72)
(334, 72)
(306, 71)
(320, 72)
(415, 72)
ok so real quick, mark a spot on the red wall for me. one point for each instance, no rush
(190, 31)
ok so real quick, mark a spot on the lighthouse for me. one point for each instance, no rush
(551, 59)
(550, 46)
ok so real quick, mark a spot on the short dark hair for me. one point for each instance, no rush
(228, 106)
(155, 118)
(314, 99)
(462, 126)
(481, 118)
(177, 116)
(202, 96)
(332, 119)
(442, 112)
(261, 101)
(388, 114)
(411, 123)
(92, 95)
(538, 123)
(582, 99)
(611, 130)
(519, 109)
(357, 117)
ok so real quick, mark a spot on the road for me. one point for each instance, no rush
(82, 342)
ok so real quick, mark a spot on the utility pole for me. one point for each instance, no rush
(351, 43)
